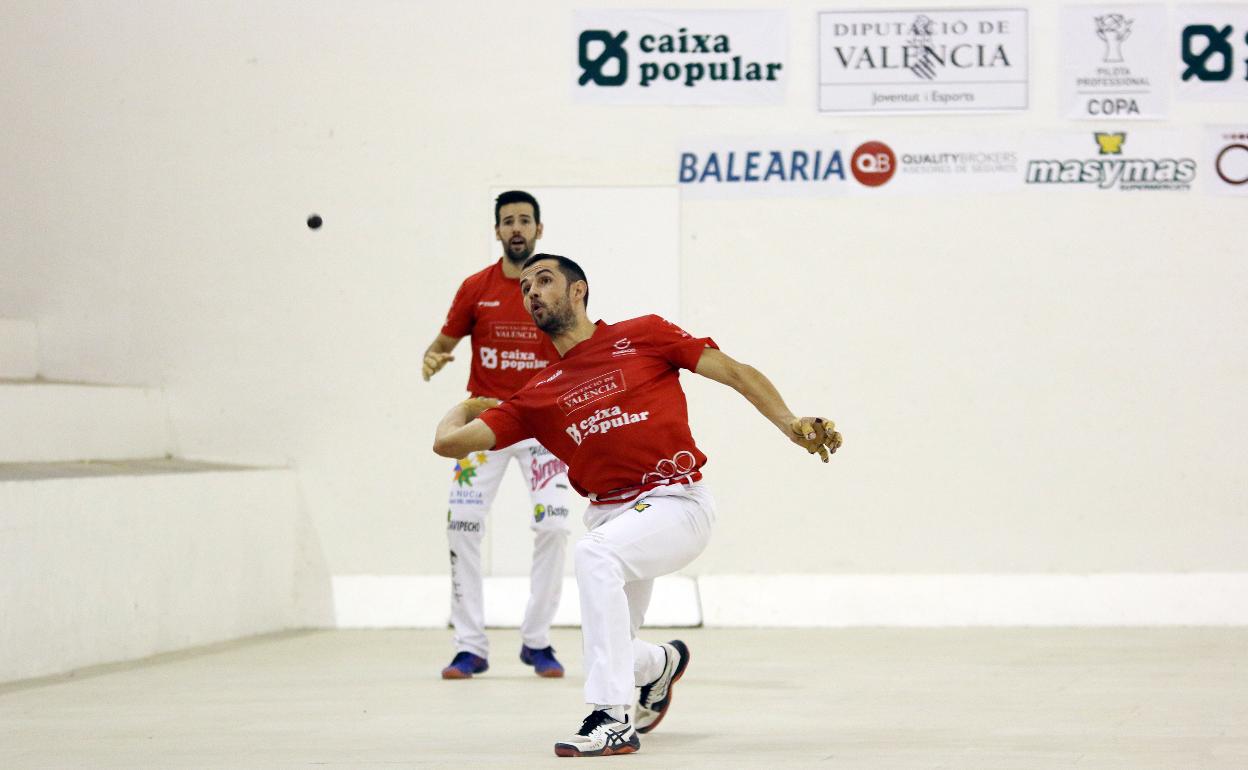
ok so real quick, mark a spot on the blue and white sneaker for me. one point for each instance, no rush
(601, 735)
(464, 665)
(656, 697)
(543, 661)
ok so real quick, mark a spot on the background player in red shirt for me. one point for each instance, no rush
(613, 409)
(507, 350)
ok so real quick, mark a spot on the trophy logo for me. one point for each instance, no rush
(1113, 28)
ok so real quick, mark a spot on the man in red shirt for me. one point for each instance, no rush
(507, 350)
(612, 408)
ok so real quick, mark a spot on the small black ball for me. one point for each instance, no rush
(314, 222)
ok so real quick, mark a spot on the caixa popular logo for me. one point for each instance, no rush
(694, 57)
(1213, 51)
(1209, 52)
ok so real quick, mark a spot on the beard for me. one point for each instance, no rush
(518, 257)
(559, 318)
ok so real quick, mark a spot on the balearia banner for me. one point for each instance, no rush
(888, 163)
(679, 57)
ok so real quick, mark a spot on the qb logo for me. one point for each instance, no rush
(873, 163)
(489, 357)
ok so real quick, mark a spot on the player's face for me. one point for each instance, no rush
(546, 297)
(518, 231)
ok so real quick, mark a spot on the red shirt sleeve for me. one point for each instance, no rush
(507, 424)
(462, 317)
(677, 345)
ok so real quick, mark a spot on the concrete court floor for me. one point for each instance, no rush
(852, 698)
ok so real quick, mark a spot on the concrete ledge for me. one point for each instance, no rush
(19, 349)
(48, 422)
(423, 601)
(105, 568)
(1204, 599)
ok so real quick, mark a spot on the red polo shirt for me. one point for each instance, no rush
(613, 410)
(507, 349)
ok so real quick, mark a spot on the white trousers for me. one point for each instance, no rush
(617, 561)
(473, 487)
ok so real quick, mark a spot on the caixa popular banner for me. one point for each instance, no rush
(679, 57)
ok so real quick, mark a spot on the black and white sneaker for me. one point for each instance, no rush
(656, 697)
(601, 735)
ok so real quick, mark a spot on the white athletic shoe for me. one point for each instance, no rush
(656, 697)
(601, 735)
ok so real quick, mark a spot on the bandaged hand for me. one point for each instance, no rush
(433, 362)
(816, 435)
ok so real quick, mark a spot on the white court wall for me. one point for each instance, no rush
(1025, 383)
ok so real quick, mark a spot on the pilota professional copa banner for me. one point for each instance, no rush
(923, 60)
(679, 57)
(1116, 62)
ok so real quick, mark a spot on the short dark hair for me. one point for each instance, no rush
(570, 270)
(517, 196)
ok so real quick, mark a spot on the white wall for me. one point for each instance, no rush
(1025, 383)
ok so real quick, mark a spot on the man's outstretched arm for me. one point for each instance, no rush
(460, 432)
(437, 355)
(814, 434)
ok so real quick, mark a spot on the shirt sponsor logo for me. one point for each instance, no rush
(518, 360)
(623, 348)
(489, 303)
(667, 471)
(514, 332)
(551, 378)
(542, 473)
(602, 421)
(586, 393)
(540, 512)
(463, 526)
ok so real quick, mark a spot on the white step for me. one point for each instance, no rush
(423, 601)
(103, 562)
(19, 349)
(51, 422)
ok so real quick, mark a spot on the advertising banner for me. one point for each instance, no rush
(923, 60)
(679, 57)
(1115, 62)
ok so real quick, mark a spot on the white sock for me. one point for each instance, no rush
(618, 713)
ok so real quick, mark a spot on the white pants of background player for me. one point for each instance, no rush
(626, 548)
(473, 487)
